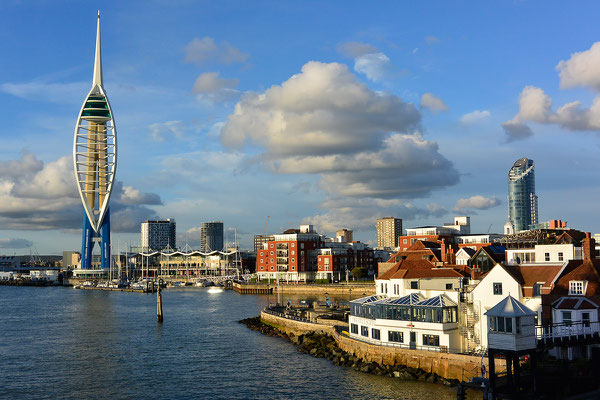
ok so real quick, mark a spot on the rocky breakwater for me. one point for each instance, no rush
(324, 346)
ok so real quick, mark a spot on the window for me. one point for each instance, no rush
(431, 340)
(364, 331)
(501, 324)
(576, 287)
(547, 256)
(354, 328)
(272, 260)
(404, 241)
(397, 337)
(293, 260)
(448, 286)
(262, 260)
(414, 284)
(386, 288)
(301, 245)
(293, 252)
(585, 318)
(293, 245)
(271, 253)
(272, 245)
(498, 288)
(376, 334)
(566, 317)
(560, 256)
(537, 289)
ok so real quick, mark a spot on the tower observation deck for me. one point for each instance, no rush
(95, 162)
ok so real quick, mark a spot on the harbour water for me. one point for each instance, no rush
(67, 343)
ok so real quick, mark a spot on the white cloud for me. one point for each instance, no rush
(474, 117)
(322, 110)
(433, 103)
(61, 93)
(205, 50)
(324, 121)
(477, 202)
(582, 69)
(160, 131)
(14, 243)
(212, 86)
(132, 196)
(356, 49)
(376, 66)
(44, 196)
(361, 214)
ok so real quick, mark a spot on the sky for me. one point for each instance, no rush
(329, 113)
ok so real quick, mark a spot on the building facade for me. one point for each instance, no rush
(344, 235)
(290, 256)
(522, 200)
(158, 235)
(388, 231)
(211, 236)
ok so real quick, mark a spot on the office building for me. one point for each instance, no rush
(158, 235)
(522, 201)
(344, 236)
(211, 236)
(388, 231)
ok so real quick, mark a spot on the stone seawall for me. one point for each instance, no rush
(447, 365)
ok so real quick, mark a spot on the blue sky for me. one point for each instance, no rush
(328, 113)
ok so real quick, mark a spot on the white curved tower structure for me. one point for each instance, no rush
(95, 163)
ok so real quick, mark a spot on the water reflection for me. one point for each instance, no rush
(65, 343)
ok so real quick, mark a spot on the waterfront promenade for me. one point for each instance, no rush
(352, 289)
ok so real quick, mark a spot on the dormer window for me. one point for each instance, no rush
(577, 288)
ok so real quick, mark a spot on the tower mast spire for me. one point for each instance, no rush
(98, 60)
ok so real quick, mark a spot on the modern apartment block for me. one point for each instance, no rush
(158, 235)
(291, 255)
(344, 235)
(211, 236)
(522, 200)
(388, 231)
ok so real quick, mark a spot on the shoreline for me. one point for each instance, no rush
(324, 345)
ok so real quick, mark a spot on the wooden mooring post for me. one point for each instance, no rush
(159, 310)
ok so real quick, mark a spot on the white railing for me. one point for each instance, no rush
(567, 330)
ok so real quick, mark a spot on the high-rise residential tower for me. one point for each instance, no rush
(522, 201)
(95, 162)
(388, 230)
(158, 235)
(211, 236)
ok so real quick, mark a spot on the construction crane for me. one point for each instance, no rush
(266, 222)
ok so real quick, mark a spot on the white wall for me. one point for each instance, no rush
(484, 297)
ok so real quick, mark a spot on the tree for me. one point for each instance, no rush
(359, 272)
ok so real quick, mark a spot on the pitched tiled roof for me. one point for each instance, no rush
(574, 303)
(580, 270)
(533, 274)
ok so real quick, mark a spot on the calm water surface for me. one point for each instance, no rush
(72, 344)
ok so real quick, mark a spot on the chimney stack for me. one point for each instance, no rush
(589, 247)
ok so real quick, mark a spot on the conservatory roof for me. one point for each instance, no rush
(368, 299)
(438, 301)
(408, 300)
